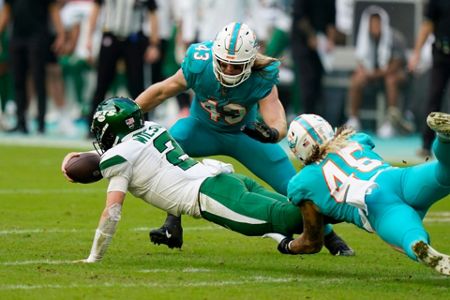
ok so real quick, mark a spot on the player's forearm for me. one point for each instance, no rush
(105, 231)
(154, 29)
(311, 240)
(152, 97)
(56, 19)
(281, 125)
(425, 30)
(92, 24)
(160, 91)
(273, 114)
(277, 119)
(4, 16)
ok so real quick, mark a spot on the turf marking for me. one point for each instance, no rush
(49, 191)
(60, 230)
(39, 230)
(242, 281)
(433, 217)
(193, 228)
(185, 270)
(37, 262)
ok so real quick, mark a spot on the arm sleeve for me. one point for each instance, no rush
(118, 183)
(104, 233)
(118, 171)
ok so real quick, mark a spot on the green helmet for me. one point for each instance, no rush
(115, 118)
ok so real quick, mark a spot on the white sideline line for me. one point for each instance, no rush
(37, 262)
(439, 214)
(243, 281)
(436, 217)
(49, 191)
(56, 230)
(193, 228)
(240, 281)
(185, 270)
(46, 142)
(39, 230)
(437, 220)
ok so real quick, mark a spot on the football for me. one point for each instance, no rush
(84, 168)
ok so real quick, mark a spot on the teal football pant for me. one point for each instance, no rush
(403, 197)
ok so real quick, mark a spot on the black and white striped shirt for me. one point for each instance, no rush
(125, 17)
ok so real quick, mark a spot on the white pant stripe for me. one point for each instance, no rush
(211, 206)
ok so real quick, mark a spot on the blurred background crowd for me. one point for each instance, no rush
(378, 65)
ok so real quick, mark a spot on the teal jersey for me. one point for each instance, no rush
(320, 182)
(224, 109)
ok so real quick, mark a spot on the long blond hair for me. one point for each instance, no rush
(339, 141)
(262, 61)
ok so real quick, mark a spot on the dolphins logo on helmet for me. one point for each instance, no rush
(235, 44)
(307, 131)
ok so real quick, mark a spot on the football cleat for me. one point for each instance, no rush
(430, 257)
(337, 246)
(170, 234)
(439, 122)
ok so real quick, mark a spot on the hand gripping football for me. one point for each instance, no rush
(84, 168)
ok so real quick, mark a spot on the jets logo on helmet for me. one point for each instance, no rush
(235, 44)
(114, 119)
(307, 131)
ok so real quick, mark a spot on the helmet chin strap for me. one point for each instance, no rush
(231, 80)
(116, 141)
(97, 148)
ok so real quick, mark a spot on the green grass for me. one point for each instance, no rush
(45, 220)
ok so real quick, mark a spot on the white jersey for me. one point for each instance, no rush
(151, 165)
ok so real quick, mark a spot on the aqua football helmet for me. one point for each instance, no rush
(235, 44)
(306, 132)
(115, 118)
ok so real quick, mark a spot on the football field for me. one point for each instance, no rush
(46, 223)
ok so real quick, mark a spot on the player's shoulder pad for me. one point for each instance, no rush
(270, 73)
(299, 185)
(363, 139)
(198, 56)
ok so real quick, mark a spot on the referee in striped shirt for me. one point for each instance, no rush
(123, 38)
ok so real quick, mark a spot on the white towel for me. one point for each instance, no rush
(364, 45)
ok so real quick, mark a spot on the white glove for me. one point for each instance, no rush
(277, 237)
(218, 167)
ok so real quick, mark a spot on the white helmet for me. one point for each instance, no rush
(234, 44)
(306, 131)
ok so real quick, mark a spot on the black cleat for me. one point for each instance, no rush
(337, 246)
(170, 234)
